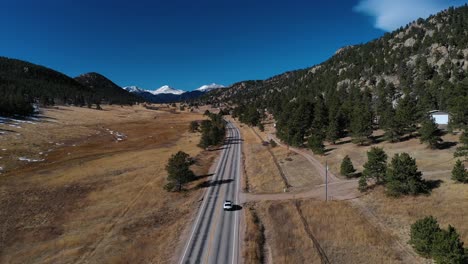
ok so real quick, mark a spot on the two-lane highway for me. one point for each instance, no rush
(214, 237)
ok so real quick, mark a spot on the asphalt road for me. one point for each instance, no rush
(214, 237)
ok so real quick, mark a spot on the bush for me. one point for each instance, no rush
(347, 168)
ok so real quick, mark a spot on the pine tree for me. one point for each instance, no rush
(459, 173)
(347, 168)
(403, 177)
(429, 133)
(462, 151)
(423, 233)
(362, 183)
(333, 134)
(361, 124)
(406, 114)
(315, 143)
(178, 171)
(448, 248)
(194, 126)
(376, 165)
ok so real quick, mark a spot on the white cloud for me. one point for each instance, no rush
(392, 14)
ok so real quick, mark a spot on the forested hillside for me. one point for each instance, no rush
(107, 90)
(23, 83)
(389, 83)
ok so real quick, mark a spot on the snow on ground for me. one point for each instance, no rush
(117, 135)
(6, 120)
(30, 160)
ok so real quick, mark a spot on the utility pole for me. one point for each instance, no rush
(326, 181)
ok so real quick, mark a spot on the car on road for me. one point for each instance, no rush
(227, 205)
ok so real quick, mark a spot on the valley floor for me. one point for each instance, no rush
(97, 196)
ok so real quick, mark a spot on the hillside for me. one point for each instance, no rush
(106, 89)
(390, 83)
(23, 83)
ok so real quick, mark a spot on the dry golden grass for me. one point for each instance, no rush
(254, 238)
(300, 173)
(286, 238)
(95, 199)
(427, 159)
(347, 237)
(448, 203)
(262, 174)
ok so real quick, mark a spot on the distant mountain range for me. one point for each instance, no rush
(167, 94)
(23, 83)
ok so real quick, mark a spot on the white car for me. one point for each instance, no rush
(227, 205)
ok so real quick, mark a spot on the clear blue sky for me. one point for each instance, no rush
(186, 44)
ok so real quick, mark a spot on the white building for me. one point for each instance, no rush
(440, 117)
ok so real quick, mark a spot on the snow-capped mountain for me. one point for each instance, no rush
(209, 87)
(167, 94)
(134, 89)
(166, 89)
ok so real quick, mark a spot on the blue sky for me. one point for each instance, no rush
(186, 44)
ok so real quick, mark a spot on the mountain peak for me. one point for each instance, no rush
(166, 89)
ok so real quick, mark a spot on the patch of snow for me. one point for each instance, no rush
(4, 149)
(15, 126)
(209, 87)
(30, 160)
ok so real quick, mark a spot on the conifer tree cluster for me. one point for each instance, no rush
(400, 177)
(213, 130)
(430, 241)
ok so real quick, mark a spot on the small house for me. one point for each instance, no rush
(440, 117)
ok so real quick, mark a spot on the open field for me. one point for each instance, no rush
(286, 238)
(96, 198)
(262, 175)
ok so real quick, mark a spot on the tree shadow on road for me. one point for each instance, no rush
(206, 184)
